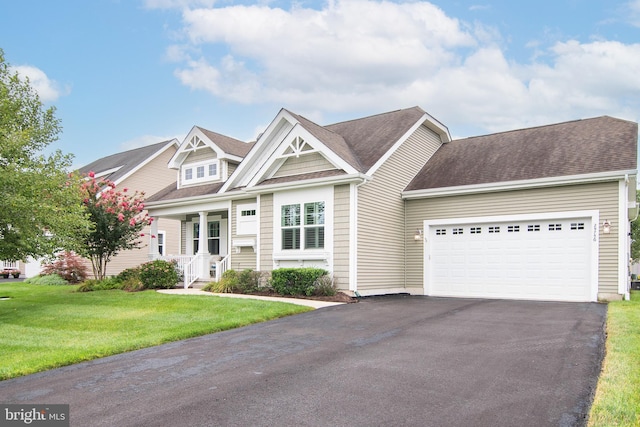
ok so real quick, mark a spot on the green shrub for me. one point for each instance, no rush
(158, 274)
(133, 284)
(48, 279)
(248, 281)
(228, 283)
(128, 273)
(325, 286)
(100, 285)
(296, 281)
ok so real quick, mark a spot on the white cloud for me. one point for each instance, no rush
(48, 90)
(368, 56)
(177, 4)
(634, 12)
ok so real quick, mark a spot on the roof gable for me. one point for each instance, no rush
(202, 139)
(119, 166)
(602, 144)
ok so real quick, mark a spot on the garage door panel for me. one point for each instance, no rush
(545, 259)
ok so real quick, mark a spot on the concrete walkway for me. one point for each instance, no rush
(298, 301)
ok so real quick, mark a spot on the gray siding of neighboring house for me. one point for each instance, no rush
(600, 196)
(266, 232)
(341, 235)
(151, 178)
(247, 258)
(380, 214)
(313, 162)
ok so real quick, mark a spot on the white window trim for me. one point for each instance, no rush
(323, 194)
(247, 225)
(164, 241)
(194, 166)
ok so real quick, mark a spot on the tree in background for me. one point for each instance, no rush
(40, 211)
(118, 219)
(635, 235)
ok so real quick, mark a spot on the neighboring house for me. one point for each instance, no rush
(390, 204)
(144, 170)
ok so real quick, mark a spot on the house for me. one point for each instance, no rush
(145, 170)
(391, 204)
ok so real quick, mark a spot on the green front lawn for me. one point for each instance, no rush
(617, 399)
(44, 327)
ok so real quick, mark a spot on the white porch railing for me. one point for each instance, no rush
(192, 269)
(190, 266)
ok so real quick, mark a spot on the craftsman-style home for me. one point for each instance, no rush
(391, 204)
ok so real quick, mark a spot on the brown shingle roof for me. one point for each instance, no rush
(579, 147)
(172, 192)
(227, 144)
(370, 138)
(125, 161)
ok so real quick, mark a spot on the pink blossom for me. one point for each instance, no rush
(120, 217)
(141, 234)
(132, 222)
(91, 174)
(153, 236)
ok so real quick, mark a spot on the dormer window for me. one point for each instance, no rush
(193, 173)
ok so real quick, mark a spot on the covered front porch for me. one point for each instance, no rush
(204, 242)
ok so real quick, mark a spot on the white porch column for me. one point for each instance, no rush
(153, 241)
(203, 248)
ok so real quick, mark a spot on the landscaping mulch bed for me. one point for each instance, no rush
(338, 297)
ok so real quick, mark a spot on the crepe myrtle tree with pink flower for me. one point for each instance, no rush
(118, 218)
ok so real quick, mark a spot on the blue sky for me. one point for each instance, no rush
(125, 73)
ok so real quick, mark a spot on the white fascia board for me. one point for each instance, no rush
(171, 143)
(308, 183)
(190, 205)
(177, 160)
(260, 151)
(515, 185)
(425, 120)
(106, 172)
(299, 131)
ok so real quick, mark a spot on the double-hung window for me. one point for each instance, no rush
(307, 228)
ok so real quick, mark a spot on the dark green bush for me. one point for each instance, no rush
(158, 274)
(128, 274)
(296, 281)
(248, 281)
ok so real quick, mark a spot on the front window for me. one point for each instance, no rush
(294, 230)
(213, 237)
(290, 227)
(208, 170)
(314, 225)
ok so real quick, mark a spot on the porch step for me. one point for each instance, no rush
(199, 284)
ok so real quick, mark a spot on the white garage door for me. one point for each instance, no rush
(539, 259)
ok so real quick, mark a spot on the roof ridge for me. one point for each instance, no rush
(539, 127)
(375, 115)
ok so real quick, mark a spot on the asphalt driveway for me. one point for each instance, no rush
(386, 361)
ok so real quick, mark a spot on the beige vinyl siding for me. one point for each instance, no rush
(150, 178)
(305, 163)
(135, 257)
(247, 258)
(381, 213)
(231, 168)
(600, 196)
(200, 156)
(183, 237)
(341, 206)
(266, 232)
